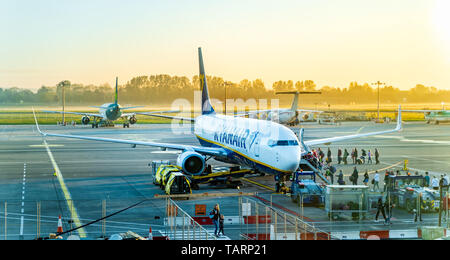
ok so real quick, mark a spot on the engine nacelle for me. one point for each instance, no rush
(192, 163)
(132, 120)
(85, 120)
(306, 117)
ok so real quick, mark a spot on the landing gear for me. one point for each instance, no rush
(94, 125)
(125, 125)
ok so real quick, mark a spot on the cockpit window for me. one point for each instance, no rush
(283, 143)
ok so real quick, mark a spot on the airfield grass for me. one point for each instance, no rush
(22, 115)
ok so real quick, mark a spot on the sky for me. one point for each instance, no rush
(401, 43)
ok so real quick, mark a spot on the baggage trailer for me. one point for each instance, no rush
(346, 199)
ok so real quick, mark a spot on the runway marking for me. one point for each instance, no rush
(379, 170)
(419, 158)
(23, 202)
(41, 145)
(70, 205)
(403, 139)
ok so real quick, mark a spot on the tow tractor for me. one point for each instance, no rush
(304, 187)
(167, 175)
(405, 190)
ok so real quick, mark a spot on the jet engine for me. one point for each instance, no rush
(132, 119)
(85, 120)
(306, 117)
(191, 162)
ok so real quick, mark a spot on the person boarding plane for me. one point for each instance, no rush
(265, 146)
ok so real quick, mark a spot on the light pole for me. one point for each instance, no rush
(378, 83)
(63, 85)
(225, 84)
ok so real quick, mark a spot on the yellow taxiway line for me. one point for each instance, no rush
(66, 192)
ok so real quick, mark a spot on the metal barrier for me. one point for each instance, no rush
(263, 221)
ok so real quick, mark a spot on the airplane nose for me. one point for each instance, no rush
(292, 159)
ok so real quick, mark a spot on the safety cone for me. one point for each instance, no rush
(60, 228)
(150, 235)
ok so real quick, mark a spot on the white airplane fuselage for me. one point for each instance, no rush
(263, 145)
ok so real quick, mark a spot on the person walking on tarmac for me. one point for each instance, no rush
(366, 178)
(369, 157)
(377, 156)
(341, 178)
(354, 176)
(376, 181)
(329, 160)
(346, 154)
(339, 155)
(380, 208)
(215, 215)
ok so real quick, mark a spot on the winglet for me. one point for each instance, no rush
(399, 119)
(300, 136)
(37, 125)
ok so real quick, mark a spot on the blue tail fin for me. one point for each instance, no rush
(206, 104)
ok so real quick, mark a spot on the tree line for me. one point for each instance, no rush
(164, 89)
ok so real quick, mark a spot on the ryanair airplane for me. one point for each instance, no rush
(262, 145)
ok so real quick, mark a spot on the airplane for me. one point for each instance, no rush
(434, 116)
(108, 113)
(292, 116)
(264, 146)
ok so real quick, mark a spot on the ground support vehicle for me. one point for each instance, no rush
(305, 189)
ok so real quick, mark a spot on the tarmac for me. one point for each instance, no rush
(87, 180)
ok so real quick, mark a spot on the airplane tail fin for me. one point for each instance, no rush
(206, 103)
(297, 93)
(116, 96)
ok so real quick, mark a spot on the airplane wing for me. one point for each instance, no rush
(426, 111)
(310, 111)
(73, 113)
(199, 149)
(165, 116)
(348, 137)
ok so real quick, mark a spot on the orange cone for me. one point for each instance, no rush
(60, 229)
(150, 235)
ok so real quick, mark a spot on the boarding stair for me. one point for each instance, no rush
(306, 165)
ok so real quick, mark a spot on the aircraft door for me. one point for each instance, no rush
(256, 145)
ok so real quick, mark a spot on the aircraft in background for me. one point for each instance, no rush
(290, 116)
(434, 116)
(265, 146)
(108, 113)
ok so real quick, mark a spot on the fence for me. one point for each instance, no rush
(263, 221)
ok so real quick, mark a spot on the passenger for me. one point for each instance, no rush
(345, 156)
(377, 156)
(380, 208)
(435, 183)
(427, 180)
(376, 181)
(356, 155)
(363, 155)
(214, 215)
(329, 156)
(339, 156)
(369, 158)
(341, 178)
(354, 176)
(366, 178)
